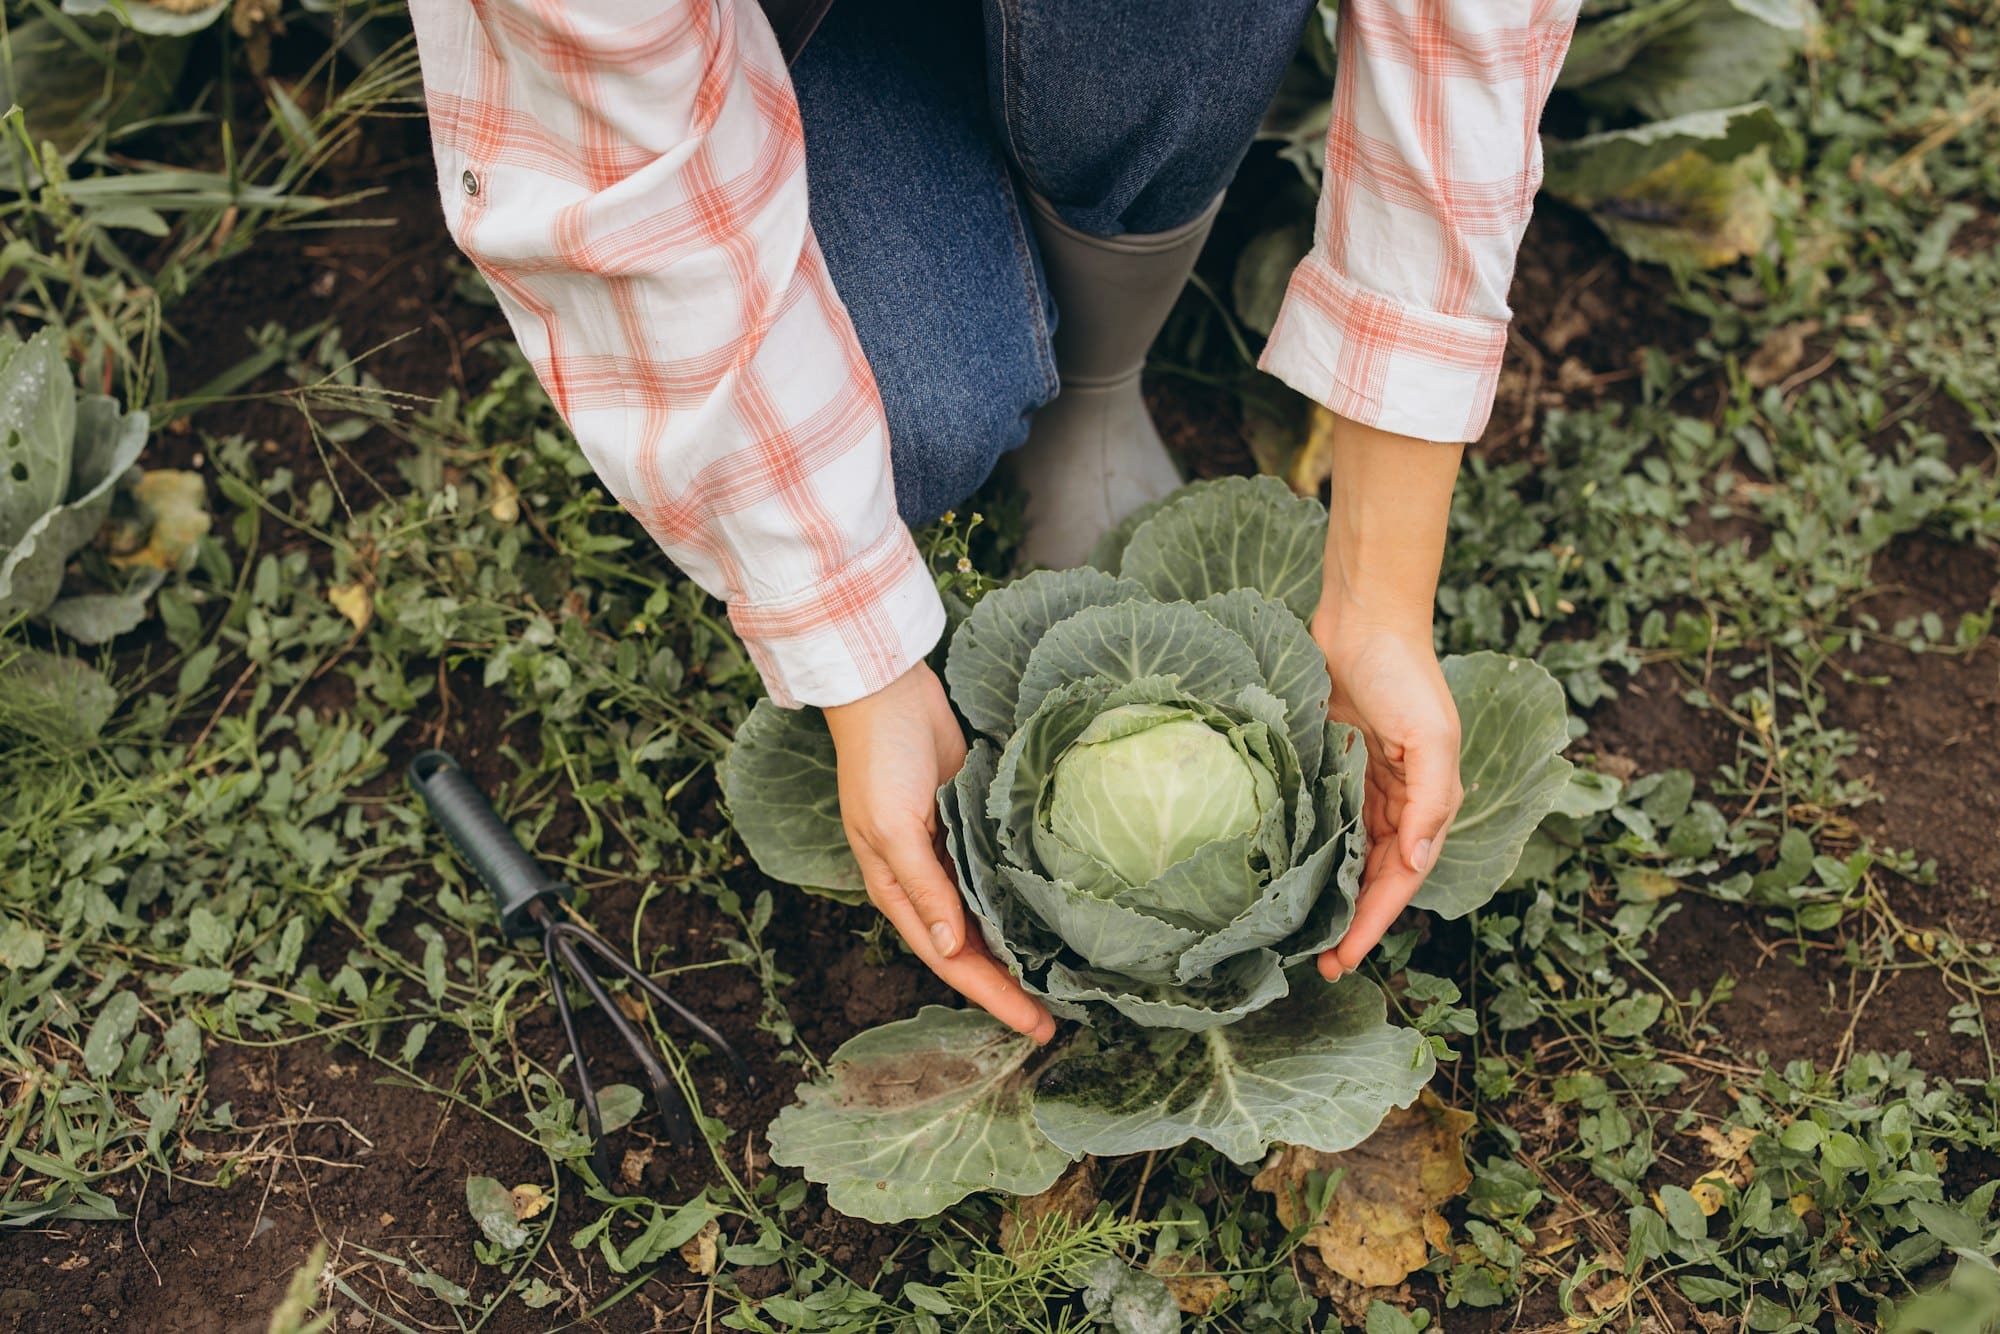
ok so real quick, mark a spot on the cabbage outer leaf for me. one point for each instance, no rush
(915, 1115)
(1293, 665)
(1321, 1068)
(1245, 983)
(779, 784)
(106, 443)
(1235, 532)
(1107, 935)
(1514, 724)
(989, 650)
(1128, 641)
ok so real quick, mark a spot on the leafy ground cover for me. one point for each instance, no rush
(1720, 1057)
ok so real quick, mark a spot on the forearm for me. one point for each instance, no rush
(631, 181)
(1385, 533)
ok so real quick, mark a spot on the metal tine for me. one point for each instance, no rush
(553, 951)
(703, 1029)
(666, 1095)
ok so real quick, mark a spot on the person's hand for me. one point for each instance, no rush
(893, 750)
(1388, 684)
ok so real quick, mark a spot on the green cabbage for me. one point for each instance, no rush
(1157, 831)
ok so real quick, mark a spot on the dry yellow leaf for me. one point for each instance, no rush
(174, 505)
(1382, 1217)
(1195, 1289)
(529, 1200)
(1311, 465)
(1708, 1193)
(699, 1250)
(353, 601)
(1073, 1197)
(505, 506)
(1801, 1204)
(1609, 1295)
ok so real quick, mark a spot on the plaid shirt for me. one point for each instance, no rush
(631, 182)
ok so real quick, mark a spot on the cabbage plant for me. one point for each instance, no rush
(60, 457)
(1156, 829)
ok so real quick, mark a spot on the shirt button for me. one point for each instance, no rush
(470, 182)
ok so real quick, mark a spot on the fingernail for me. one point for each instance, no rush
(1423, 854)
(941, 937)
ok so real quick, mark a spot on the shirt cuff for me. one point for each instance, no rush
(1386, 364)
(850, 634)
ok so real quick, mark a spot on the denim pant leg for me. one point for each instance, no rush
(919, 217)
(1131, 117)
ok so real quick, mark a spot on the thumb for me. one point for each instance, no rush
(913, 861)
(1430, 775)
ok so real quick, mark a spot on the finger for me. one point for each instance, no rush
(973, 974)
(1433, 799)
(1391, 892)
(1330, 966)
(913, 860)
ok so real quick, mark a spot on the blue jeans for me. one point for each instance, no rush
(925, 120)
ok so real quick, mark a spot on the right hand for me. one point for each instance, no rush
(894, 749)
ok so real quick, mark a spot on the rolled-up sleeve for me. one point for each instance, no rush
(631, 181)
(1398, 316)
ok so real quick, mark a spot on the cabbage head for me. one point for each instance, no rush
(1156, 829)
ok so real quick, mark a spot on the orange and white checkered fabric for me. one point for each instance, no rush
(631, 181)
(1398, 316)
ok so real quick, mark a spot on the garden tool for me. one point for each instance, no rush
(1093, 454)
(531, 902)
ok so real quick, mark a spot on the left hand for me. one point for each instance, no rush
(1387, 683)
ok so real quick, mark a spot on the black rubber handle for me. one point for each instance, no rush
(514, 879)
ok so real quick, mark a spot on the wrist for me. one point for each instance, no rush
(1340, 619)
(859, 715)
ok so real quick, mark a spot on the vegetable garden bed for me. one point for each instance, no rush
(1747, 520)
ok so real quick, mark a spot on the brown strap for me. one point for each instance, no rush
(794, 21)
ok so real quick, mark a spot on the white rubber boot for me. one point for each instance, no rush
(1093, 454)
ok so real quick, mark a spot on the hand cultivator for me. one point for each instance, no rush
(531, 902)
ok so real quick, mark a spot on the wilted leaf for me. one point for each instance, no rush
(1195, 1289)
(1731, 1151)
(1694, 191)
(505, 507)
(1383, 1214)
(699, 1250)
(632, 1168)
(173, 506)
(1779, 354)
(1695, 213)
(915, 1115)
(529, 1200)
(1073, 1198)
(353, 601)
(492, 1207)
(1311, 467)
